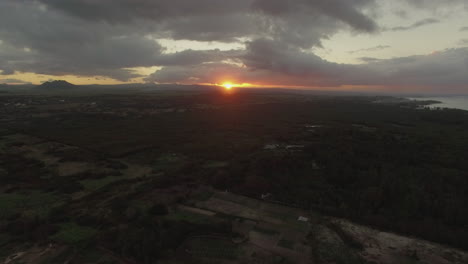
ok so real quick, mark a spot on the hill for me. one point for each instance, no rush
(58, 84)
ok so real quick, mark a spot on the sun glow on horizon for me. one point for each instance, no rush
(227, 85)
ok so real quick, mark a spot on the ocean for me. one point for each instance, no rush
(456, 102)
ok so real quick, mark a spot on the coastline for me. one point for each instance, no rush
(449, 102)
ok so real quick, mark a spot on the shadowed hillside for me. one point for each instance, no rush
(59, 84)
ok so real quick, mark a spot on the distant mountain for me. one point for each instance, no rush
(59, 84)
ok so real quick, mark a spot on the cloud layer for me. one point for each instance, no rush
(420, 23)
(267, 62)
(112, 37)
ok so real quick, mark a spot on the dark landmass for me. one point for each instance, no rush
(207, 176)
(58, 84)
(405, 101)
(429, 102)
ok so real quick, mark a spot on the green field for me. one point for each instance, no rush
(212, 248)
(93, 185)
(34, 203)
(71, 233)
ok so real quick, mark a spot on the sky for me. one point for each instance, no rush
(398, 45)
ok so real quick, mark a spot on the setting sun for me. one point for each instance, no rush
(227, 86)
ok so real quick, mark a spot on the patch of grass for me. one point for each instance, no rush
(331, 250)
(410, 261)
(286, 244)
(233, 217)
(341, 255)
(348, 239)
(5, 249)
(21, 139)
(215, 164)
(167, 161)
(71, 233)
(203, 196)
(241, 200)
(61, 257)
(279, 215)
(171, 157)
(298, 225)
(95, 184)
(3, 172)
(4, 239)
(142, 205)
(3, 144)
(265, 231)
(4, 131)
(212, 248)
(189, 217)
(94, 256)
(35, 203)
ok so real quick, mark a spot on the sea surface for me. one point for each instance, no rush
(457, 102)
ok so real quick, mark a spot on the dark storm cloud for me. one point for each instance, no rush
(215, 20)
(38, 40)
(417, 24)
(267, 62)
(265, 54)
(264, 61)
(433, 4)
(109, 37)
(120, 10)
(444, 68)
(347, 11)
(126, 10)
(47, 42)
(217, 27)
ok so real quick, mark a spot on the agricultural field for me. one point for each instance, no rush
(276, 235)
